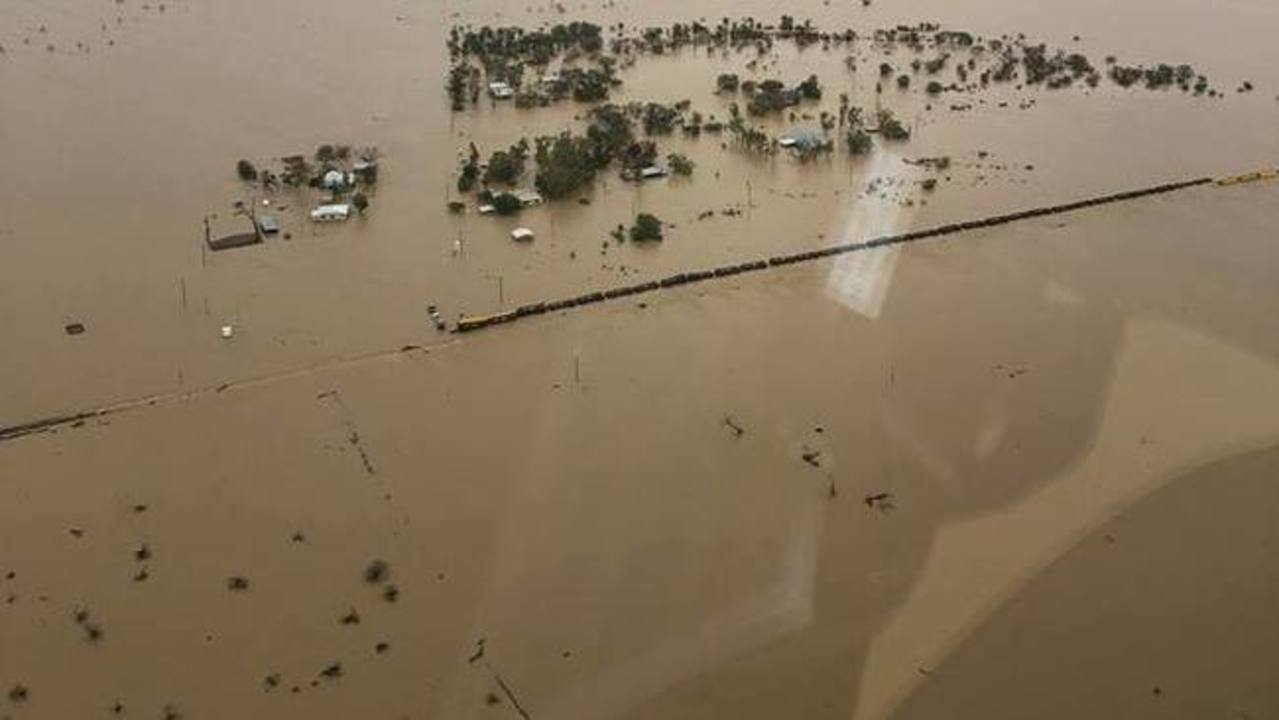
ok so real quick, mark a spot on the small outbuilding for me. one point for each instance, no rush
(223, 232)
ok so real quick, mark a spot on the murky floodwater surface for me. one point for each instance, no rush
(1018, 472)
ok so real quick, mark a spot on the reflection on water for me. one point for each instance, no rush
(860, 280)
(975, 566)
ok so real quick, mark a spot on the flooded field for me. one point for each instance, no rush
(1020, 472)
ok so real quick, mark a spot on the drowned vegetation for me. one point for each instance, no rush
(617, 137)
(582, 62)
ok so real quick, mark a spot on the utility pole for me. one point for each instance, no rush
(501, 299)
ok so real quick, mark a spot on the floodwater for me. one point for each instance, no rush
(1023, 472)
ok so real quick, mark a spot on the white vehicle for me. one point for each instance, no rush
(500, 91)
(522, 234)
(331, 213)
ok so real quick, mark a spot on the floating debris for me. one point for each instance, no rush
(19, 693)
(350, 618)
(391, 593)
(143, 553)
(479, 652)
(237, 583)
(271, 682)
(74, 328)
(381, 647)
(377, 571)
(332, 672)
(738, 431)
(880, 501)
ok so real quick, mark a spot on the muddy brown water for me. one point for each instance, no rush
(1074, 418)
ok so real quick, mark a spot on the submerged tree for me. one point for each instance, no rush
(859, 142)
(246, 171)
(646, 227)
(506, 166)
(565, 162)
(297, 171)
(470, 171)
(680, 164)
(506, 204)
(810, 89)
(892, 128)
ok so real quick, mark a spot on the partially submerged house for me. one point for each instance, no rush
(553, 82)
(336, 212)
(802, 140)
(338, 180)
(528, 198)
(223, 232)
(365, 169)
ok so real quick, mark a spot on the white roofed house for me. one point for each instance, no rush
(501, 91)
(335, 212)
(337, 180)
(803, 140)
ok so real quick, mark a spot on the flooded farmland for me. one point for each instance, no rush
(1021, 471)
